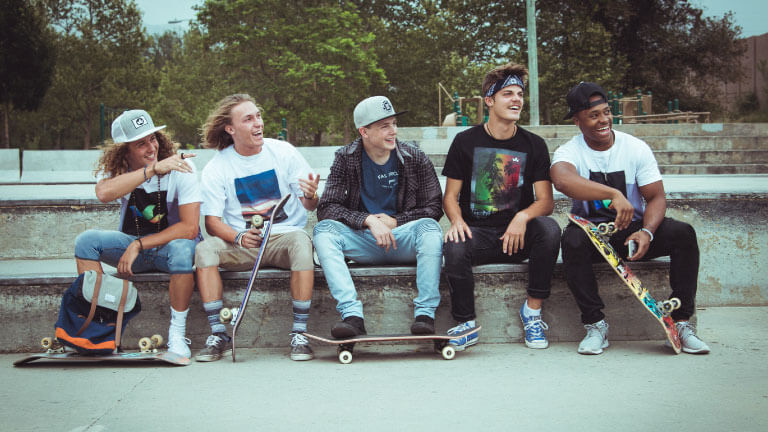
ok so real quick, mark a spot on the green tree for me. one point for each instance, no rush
(307, 63)
(27, 50)
(100, 60)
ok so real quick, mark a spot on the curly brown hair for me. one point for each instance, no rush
(502, 72)
(214, 135)
(114, 156)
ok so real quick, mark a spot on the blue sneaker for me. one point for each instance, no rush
(534, 328)
(460, 344)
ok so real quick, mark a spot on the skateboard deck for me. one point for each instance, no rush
(345, 346)
(267, 230)
(71, 357)
(659, 310)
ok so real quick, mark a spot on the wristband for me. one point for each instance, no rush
(239, 238)
(141, 245)
(145, 174)
(647, 231)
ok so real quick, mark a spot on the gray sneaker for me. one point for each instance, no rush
(691, 343)
(300, 349)
(215, 348)
(596, 338)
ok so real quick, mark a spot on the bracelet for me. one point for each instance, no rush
(647, 231)
(313, 197)
(141, 245)
(239, 238)
(145, 174)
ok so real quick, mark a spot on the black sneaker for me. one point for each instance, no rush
(423, 325)
(351, 326)
(215, 348)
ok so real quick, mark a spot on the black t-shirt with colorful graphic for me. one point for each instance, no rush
(497, 175)
(146, 212)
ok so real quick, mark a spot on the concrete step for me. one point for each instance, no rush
(639, 130)
(657, 143)
(708, 169)
(29, 304)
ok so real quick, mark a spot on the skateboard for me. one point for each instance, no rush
(256, 222)
(345, 346)
(56, 351)
(659, 309)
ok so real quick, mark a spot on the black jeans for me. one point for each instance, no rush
(542, 237)
(673, 238)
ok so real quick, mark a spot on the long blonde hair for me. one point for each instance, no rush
(114, 157)
(214, 134)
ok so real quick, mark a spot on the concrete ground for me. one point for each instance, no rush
(633, 386)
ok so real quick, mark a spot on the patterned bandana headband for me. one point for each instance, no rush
(505, 82)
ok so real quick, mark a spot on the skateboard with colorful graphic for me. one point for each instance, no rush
(56, 352)
(345, 347)
(659, 309)
(256, 222)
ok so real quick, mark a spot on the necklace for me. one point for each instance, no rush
(136, 218)
(488, 129)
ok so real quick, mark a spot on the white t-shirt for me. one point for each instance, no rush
(180, 188)
(236, 186)
(627, 165)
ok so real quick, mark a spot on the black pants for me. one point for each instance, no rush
(541, 248)
(673, 238)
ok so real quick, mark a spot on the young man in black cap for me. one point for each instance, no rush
(497, 197)
(380, 205)
(611, 175)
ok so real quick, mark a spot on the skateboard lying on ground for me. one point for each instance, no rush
(256, 222)
(56, 352)
(345, 346)
(660, 310)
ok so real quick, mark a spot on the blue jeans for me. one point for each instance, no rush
(175, 257)
(420, 241)
(542, 244)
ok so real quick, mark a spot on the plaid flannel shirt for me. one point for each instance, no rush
(418, 191)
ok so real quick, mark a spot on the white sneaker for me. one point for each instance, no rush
(691, 343)
(178, 344)
(596, 338)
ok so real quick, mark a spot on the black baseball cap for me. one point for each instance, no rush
(578, 97)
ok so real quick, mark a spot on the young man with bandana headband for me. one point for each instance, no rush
(613, 176)
(497, 196)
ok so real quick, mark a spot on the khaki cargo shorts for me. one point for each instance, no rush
(290, 251)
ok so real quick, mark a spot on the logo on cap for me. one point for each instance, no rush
(139, 122)
(386, 106)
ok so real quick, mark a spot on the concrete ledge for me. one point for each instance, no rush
(29, 305)
(10, 166)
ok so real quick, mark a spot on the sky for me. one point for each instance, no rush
(749, 14)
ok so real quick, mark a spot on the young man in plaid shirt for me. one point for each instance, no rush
(381, 204)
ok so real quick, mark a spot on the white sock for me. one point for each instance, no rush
(530, 312)
(178, 321)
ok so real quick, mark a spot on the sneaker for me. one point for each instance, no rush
(462, 343)
(596, 338)
(178, 344)
(300, 349)
(351, 326)
(423, 325)
(215, 348)
(691, 343)
(534, 328)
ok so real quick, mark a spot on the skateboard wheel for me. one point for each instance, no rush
(345, 357)
(145, 344)
(225, 315)
(257, 221)
(675, 303)
(448, 352)
(157, 341)
(46, 343)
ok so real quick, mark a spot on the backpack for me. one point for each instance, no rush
(91, 308)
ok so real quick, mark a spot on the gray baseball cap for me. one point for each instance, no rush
(373, 109)
(133, 125)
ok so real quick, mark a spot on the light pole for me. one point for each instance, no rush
(533, 64)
